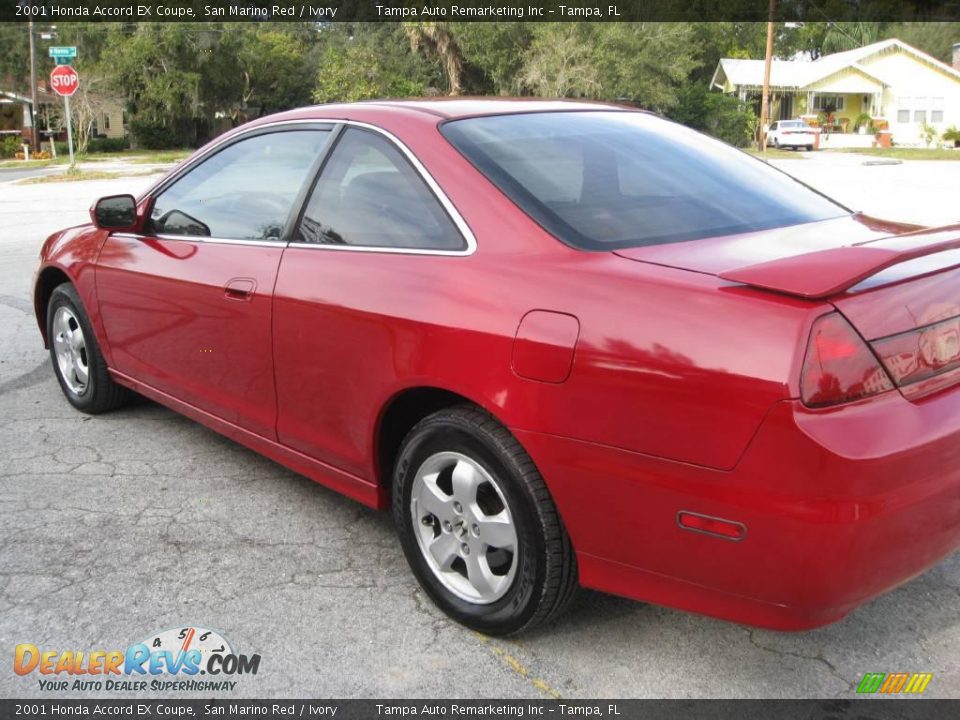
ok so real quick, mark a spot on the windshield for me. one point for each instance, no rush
(609, 180)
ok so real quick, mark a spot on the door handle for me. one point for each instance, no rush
(240, 289)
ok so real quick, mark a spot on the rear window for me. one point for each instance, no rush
(608, 180)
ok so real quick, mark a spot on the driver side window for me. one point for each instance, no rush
(243, 192)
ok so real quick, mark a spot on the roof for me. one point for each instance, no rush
(12, 96)
(395, 114)
(460, 107)
(796, 74)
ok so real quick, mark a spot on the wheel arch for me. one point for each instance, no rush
(399, 414)
(47, 280)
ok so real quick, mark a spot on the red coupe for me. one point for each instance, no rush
(569, 344)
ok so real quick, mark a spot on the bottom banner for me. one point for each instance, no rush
(913, 709)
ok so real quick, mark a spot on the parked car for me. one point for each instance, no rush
(792, 133)
(568, 344)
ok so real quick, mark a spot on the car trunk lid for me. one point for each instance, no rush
(898, 285)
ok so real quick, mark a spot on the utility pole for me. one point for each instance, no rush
(765, 101)
(34, 133)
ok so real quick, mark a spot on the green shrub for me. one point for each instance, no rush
(863, 120)
(10, 145)
(100, 145)
(722, 116)
(151, 135)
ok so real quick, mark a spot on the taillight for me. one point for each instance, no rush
(839, 367)
(920, 354)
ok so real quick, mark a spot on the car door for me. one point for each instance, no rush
(370, 254)
(186, 305)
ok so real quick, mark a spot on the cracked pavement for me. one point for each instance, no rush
(117, 526)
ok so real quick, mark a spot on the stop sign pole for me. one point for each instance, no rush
(64, 80)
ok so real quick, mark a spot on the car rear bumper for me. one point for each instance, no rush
(840, 506)
(802, 140)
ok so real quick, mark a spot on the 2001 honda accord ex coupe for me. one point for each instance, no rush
(569, 344)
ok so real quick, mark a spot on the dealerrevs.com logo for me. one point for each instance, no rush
(168, 661)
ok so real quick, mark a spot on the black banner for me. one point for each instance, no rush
(55, 11)
(901, 709)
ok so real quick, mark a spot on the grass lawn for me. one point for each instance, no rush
(902, 153)
(138, 157)
(76, 175)
(25, 163)
(775, 154)
(160, 156)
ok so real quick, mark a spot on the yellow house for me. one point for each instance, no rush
(890, 81)
(111, 120)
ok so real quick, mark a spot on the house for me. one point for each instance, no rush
(15, 111)
(109, 119)
(892, 82)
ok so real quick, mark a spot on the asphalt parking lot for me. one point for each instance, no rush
(118, 526)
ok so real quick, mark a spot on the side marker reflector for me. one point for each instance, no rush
(717, 527)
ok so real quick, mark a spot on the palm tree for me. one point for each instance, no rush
(849, 36)
(436, 40)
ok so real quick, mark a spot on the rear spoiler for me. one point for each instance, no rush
(826, 273)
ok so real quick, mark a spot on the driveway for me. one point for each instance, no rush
(921, 191)
(119, 526)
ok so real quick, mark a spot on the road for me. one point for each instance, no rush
(118, 526)
(12, 174)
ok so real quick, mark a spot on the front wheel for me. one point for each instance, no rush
(75, 355)
(478, 526)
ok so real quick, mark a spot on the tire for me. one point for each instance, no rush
(809, 148)
(73, 349)
(457, 470)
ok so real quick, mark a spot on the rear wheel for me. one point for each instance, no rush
(809, 148)
(478, 526)
(76, 357)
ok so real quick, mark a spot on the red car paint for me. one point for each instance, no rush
(641, 382)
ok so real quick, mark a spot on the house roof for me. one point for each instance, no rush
(796, 74)
(43, 97)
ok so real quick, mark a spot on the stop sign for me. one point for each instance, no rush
(64, 80)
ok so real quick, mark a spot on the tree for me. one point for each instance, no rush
(933, 38)
(14, 57)
(495, 50)
(86, 105)
(436, 40)
(644, 63)
(159, 69)
(722, 116)
(560, 62)
(840, 36)
(362, 61)
(272, 64)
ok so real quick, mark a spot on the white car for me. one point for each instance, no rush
(791, 133)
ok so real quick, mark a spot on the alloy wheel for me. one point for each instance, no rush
(70, 348)
(464, 527)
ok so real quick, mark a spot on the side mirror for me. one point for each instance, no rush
(115, 212)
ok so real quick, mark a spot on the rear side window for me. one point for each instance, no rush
(608, 180)
(369, 195)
